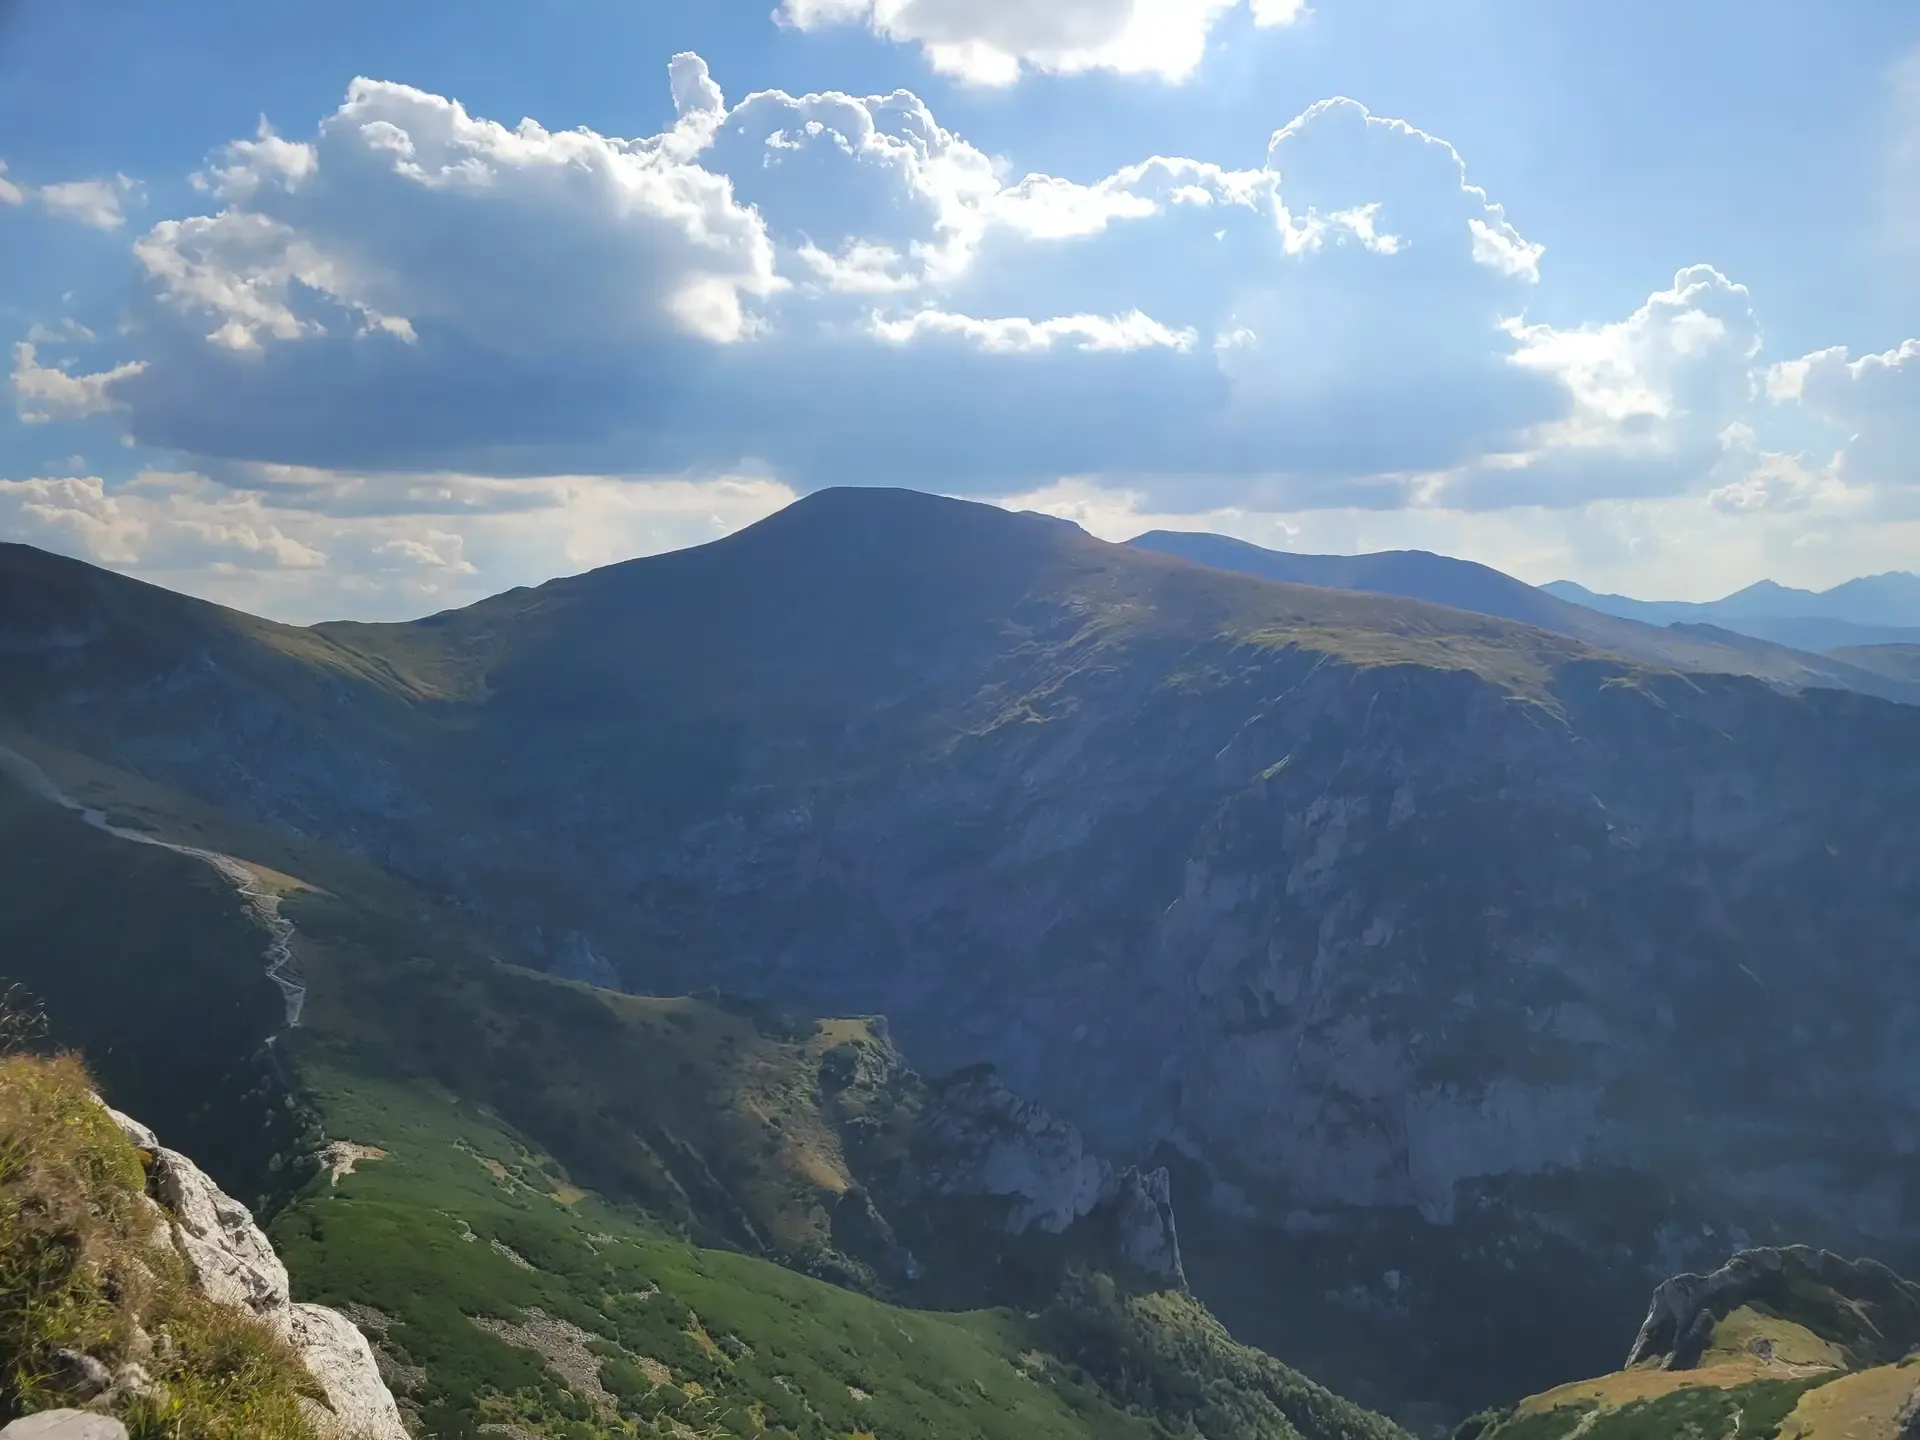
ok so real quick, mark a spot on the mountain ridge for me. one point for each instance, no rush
(1404, 937)
(1872, 610)
(1467, 585)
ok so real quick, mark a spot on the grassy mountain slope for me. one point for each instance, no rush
(1902, 662)
(63, 621)
(458, 1222)
(1802, 1346)
(184, 1023)
(411, 1130)
(1464, 585)
(757, 604)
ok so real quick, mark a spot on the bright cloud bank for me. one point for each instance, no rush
(829, 288)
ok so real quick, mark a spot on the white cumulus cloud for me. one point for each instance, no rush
(1870, 405)
(992, 42)
(166, 517)
(47, 392)
(313, 545)
(100, 204)
(833, 288)
(1018, 335)
(404, 210)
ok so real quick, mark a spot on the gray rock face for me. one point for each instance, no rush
(65, 1425)
(1143, 1205)
(233, 1263)
(979, 1139)
(231, 1260)
(1907, 1422)
(1680, 1304)
(359, 1405)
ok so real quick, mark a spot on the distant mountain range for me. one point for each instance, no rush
(1715, 642)
(1873, 610)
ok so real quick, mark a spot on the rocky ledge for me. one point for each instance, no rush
(232, 1263)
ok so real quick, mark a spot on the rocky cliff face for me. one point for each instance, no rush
(978, 1140)
(232, 1263)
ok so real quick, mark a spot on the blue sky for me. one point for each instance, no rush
(1628, 296)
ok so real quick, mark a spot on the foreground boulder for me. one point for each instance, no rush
(65, 1425)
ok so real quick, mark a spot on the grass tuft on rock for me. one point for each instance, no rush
(89, 1280)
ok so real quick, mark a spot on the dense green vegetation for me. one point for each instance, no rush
(444, 1228)
(1754, 1411)
(458, 1222)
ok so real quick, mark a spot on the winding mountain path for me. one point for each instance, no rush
(264, 904)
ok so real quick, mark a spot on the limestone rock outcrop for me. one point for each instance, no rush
(65, 1425)
(233, 1263)
(979, 1139)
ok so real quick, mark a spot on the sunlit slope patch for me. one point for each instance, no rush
(1792, 1343)
(502, 1295)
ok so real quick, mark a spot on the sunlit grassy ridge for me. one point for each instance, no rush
(1810, 1361)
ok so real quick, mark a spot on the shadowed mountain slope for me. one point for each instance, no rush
(503, 1178)
(1465, 585)
(1421, 943)
(1899, 661)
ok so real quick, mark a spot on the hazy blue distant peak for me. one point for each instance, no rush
(1889, 600)
(1653, 612)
